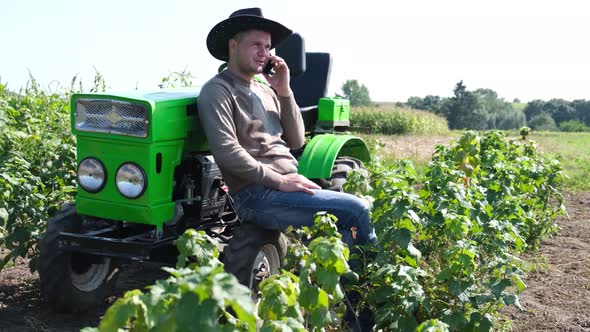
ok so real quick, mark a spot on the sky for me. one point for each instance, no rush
(521, 49)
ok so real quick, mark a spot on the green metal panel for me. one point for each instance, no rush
(333, 109)
(319, 154)
(167, 116)
(152, 215)
(155, 205)
(173, 131)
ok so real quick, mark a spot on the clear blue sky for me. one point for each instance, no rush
(521, 49)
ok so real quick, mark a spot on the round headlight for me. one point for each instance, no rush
(130, 180)
(91, 175)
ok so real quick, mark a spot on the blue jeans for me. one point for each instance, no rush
(273, 209)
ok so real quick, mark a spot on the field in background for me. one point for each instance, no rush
(572, 149)
(391, 120)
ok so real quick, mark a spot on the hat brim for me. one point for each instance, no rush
(219, 36)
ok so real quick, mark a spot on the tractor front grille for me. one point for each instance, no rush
(111, 116)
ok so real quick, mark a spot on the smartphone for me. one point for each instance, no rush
(268, 68)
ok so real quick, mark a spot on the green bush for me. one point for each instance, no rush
(396, 121)
(573, 126)
(37, 166)
(542, 122)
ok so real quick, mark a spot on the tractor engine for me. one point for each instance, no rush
(199, 187)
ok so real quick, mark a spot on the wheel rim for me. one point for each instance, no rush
(88, 273)
(265, 264)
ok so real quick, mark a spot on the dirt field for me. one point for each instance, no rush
(22, 309)
(557, 297)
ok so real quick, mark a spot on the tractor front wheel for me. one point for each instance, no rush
(253, 254)
(71, 281)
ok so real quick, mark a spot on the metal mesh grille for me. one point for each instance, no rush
(111, 116)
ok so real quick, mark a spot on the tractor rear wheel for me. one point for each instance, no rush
(253, 254)
(342, 166)
(70, 281)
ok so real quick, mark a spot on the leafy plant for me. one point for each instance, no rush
(199, 295)
(37, 166)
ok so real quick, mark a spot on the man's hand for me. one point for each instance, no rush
(297, 182)
(280, 80)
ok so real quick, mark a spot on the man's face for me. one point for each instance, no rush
(249, 50)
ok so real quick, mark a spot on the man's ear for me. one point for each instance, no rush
(233, 44)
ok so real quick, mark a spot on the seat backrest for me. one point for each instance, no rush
(313, 84)
(292, 50)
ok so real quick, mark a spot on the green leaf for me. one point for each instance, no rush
(121, 312)
(330, 253)
(520, 285)
(402, 237)
(320, 317)
(407, 323)
(483, 322)
(499, 286)
(511, 299)
(3, 215)
(287, 325)
(309, 297)
(327, 279)
(198, 315)
(433, 325)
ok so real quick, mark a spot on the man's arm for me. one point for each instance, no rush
(290, 115)
(215, 113)
(292, 122)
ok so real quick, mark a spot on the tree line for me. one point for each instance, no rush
(482, 109)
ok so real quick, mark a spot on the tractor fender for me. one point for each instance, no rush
(320, 153)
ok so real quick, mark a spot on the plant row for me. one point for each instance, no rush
(447, 258)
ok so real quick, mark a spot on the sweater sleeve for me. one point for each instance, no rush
(292, 122)
(216, 116)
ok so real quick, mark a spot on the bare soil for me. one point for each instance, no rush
(23, 309)
(557, 297)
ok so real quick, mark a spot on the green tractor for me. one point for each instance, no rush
(145, 175)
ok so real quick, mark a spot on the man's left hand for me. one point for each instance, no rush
(280, 80)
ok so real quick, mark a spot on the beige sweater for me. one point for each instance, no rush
(250, 130)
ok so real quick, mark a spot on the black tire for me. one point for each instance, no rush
(342, 166)
(253, 254)
(72, 282)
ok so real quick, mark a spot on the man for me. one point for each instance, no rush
(252, 127)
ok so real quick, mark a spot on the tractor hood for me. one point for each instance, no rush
(147, 116)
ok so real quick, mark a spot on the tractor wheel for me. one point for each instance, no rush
(72, 282)
(342, 166)
(253, 254)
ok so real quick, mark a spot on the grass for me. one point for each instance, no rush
(572, 149)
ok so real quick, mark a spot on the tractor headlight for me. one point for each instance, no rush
(131, 180)
(91, 175)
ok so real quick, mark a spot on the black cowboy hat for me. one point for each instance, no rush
(242, 20)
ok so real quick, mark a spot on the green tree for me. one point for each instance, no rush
(463, 110)
(358, 94)
(534, 108)
(561, 110)
(582, 108)
(500, 113)
(429, 103)
(543, 121)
